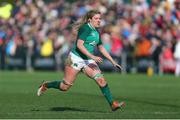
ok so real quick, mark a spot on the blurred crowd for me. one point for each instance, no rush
(146, 32)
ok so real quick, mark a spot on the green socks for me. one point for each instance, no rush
(106, 92)
(53, 84)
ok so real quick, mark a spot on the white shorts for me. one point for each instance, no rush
(78, 63)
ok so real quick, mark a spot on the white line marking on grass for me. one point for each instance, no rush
(162, 113)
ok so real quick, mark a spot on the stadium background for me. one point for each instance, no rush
(38, 34)
(141, 35)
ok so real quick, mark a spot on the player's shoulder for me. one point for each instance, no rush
(84, 27)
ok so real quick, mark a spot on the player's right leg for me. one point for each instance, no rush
(63, 85)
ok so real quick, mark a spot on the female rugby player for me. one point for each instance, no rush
(82, 58)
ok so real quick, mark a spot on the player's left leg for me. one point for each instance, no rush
(93, 71)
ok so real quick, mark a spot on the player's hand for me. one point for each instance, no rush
(97, 59)
(118, 66)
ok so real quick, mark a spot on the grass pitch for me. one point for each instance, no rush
(146, 97)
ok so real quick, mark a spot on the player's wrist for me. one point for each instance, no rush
(114, 63)
(93, 57)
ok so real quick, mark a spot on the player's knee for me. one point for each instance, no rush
(64, 87)
(101, 81)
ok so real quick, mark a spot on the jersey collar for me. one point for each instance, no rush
(89, 24)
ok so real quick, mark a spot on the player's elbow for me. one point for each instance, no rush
(79, 46)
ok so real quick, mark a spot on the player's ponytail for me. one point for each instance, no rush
(84, 19)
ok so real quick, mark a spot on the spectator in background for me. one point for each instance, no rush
(2, 49)
(155, 51)
(107, 42)
(143, 48)
(5, 10)
(33, 20)
(177, 57)
(47, 48)
(167, 61)
(117, 45)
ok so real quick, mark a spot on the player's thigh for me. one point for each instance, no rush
(70, 74)
(91, 70)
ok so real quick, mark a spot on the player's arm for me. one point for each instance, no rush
(108, 56)
(80, 46)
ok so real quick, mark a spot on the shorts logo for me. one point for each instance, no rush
(75, 64)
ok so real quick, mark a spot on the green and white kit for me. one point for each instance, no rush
(91, 38)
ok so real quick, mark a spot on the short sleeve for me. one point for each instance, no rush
(100, 40)
(83, 32)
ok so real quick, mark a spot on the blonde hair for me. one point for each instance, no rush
(84, 19)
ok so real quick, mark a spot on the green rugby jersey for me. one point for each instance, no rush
(91, 38)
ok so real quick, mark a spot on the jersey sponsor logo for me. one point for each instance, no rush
(93, 43)
(92, 34)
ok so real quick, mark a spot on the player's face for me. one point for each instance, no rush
(96, 20)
